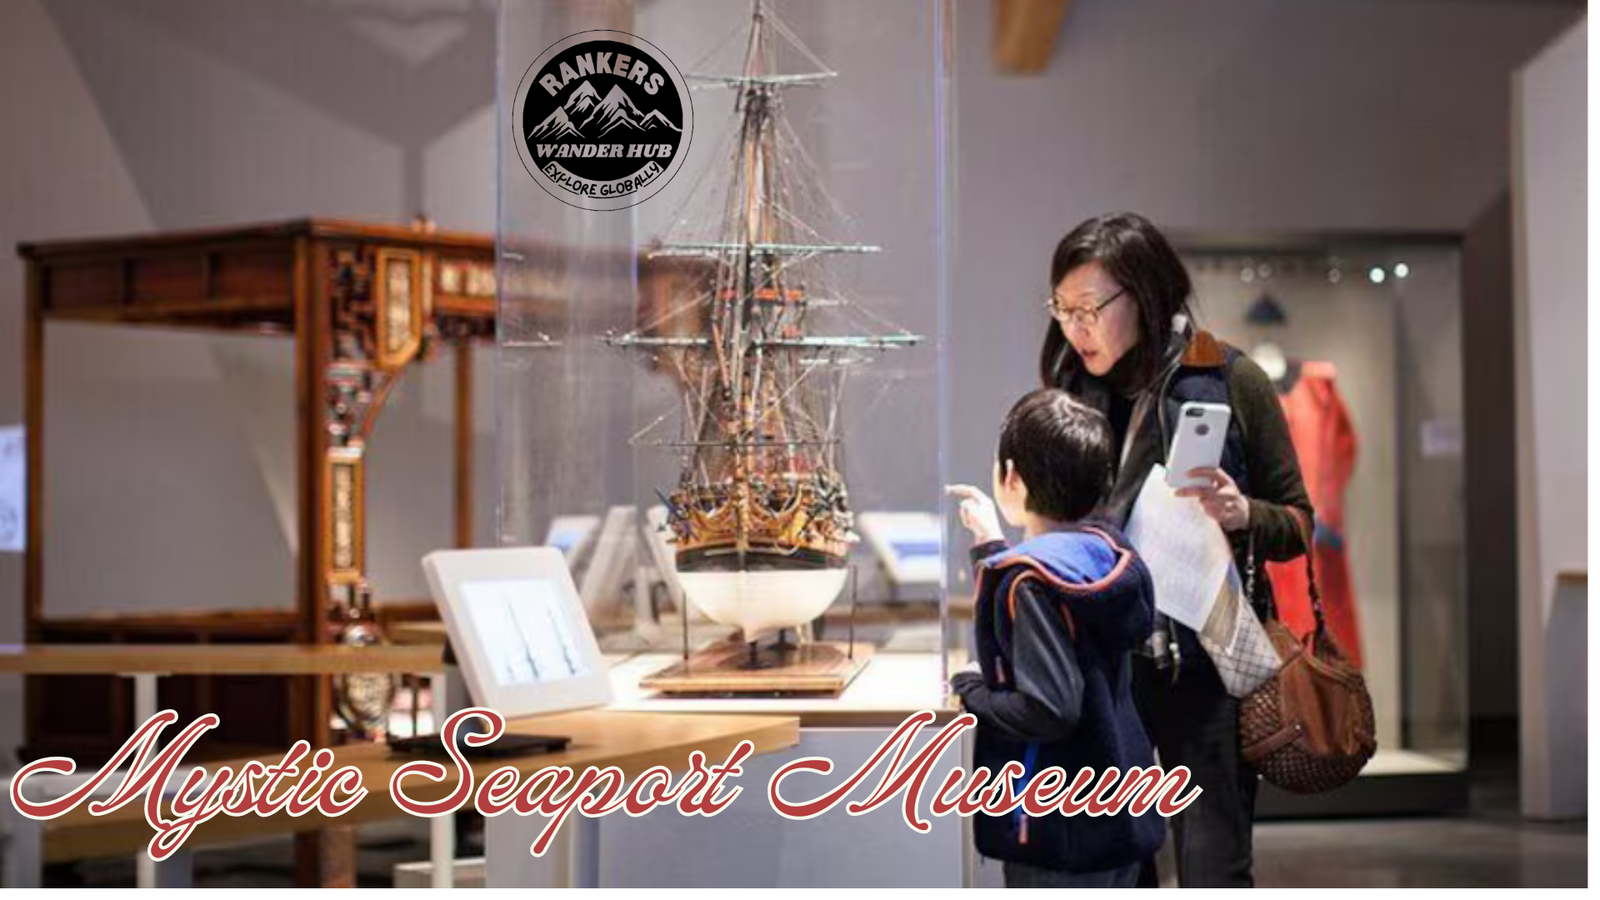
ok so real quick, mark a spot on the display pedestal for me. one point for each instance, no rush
(728, 668)
(755, 846)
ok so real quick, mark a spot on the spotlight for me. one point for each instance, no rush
(1401, 270)
(1377, 275)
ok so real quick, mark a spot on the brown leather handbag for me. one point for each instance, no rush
(1309, 728)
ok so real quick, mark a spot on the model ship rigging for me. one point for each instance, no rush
(760, 517)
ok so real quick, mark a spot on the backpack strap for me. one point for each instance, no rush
(1233, 354)
(1011, 603)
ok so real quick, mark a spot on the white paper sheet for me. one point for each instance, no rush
(1185, 550)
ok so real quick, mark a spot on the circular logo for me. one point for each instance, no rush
(603, 120)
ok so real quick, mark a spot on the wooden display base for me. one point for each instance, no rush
(726, 669)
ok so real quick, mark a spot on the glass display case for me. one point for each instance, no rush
(721, 237)
(1363, 336)
(720, 378)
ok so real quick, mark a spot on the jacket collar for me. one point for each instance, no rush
(1204, 352)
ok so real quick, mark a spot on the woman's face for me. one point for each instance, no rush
(1100, 331)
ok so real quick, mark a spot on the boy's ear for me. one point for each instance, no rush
(1013, 480)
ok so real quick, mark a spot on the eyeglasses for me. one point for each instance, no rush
(1087, 316)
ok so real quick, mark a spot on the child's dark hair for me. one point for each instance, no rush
(1061, 450)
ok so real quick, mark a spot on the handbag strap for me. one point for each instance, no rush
(1303, 523)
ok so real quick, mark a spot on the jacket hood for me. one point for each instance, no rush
(1103, 583)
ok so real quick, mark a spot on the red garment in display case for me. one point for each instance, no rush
(1325, 440)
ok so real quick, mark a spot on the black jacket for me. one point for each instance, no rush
(1259, 454)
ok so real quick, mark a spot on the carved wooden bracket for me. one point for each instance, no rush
(381, 304)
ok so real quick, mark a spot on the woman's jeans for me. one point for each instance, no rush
(1194, 723)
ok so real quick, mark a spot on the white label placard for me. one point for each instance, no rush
(1441, 438)
(13, 490)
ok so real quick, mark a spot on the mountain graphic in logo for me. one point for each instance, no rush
(555, 126)
(656, 121)
(582, 100)
(616, 112)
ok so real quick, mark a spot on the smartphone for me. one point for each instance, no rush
(1202, 430)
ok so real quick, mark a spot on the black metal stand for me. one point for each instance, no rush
(850, 651)
(684, 615)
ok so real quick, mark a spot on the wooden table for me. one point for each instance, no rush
(414, 633)
(633, 742)
(214, 659)
(144, 663)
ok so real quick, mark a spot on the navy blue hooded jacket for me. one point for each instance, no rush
(1056, 620)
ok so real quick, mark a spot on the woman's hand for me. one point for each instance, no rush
(978, 513)
(1220, 498)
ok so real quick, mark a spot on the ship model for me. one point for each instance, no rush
(760, 518)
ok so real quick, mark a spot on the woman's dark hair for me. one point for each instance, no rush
(1139, 259)
(1061, 450)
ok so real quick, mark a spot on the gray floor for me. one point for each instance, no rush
(1464, 852)
(1491, 847)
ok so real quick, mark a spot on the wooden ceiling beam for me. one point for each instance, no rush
(1025, 34)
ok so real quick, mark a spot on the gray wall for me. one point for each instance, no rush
(1550, 231)
(1249, 115)
(65, 177)
(170, 478)
(169, 475)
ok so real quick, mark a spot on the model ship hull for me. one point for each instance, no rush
(760, 601)
(761, 559)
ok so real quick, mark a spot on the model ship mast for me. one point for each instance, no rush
(760, 489)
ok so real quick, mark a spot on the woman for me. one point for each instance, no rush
(1121, 341)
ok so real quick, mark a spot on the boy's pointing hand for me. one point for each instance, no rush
(978, 513)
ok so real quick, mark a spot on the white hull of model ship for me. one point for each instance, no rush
(765, 600)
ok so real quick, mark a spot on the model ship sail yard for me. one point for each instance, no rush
(760, 517)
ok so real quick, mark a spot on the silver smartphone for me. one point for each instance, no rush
(1201, 432)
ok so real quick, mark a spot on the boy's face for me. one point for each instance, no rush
(1010, 494)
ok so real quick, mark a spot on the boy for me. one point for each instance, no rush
(1056, 618)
